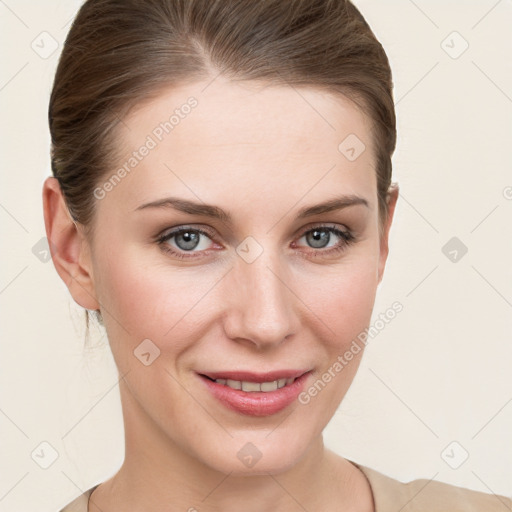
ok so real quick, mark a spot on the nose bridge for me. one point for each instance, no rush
(262, 309)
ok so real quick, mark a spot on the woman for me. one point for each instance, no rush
(222, 201)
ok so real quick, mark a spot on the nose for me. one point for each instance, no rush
(260, 309)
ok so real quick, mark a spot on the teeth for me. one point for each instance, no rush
(235, 384)
(255, 386)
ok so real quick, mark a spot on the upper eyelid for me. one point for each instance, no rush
(207, 229)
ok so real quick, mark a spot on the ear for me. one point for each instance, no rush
(69, 247)
(392, 198)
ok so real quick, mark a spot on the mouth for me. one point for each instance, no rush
(252, 382)
(255, 394)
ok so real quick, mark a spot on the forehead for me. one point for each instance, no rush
(240, 138)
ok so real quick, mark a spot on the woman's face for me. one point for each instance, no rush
(259, 281)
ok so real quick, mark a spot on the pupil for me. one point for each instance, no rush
(319, 238)
(191, 240)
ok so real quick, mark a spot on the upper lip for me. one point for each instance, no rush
(255, 377)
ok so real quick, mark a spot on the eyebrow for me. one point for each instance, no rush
(208, 210)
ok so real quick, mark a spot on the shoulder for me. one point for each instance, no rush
(79, 504)
(425, 495)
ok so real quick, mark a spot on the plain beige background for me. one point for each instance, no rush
(435, 384)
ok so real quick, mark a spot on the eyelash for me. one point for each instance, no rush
(347, 239)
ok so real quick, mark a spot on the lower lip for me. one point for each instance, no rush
(256, 403)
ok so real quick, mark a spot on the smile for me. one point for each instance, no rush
(256, 394)
(255, 386)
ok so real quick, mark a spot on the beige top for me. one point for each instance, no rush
(390, 495)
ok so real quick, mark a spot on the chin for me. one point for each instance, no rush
(257, 454)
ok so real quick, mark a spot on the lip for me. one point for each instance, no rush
(256, 403)
(256, 377)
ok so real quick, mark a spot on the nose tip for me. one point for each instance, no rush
(260, 310)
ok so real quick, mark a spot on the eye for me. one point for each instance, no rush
(189, 242)
(321, 237)
(186, 240)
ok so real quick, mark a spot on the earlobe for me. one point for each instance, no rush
(393, 193)
(68, 246)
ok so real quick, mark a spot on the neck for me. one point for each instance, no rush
(158, 474)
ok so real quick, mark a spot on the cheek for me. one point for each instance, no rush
(343, 301)
(143, 299)
(348, 315)
(343, 297)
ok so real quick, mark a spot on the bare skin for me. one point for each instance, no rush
(261, 154)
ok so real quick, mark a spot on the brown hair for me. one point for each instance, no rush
(121, 52)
